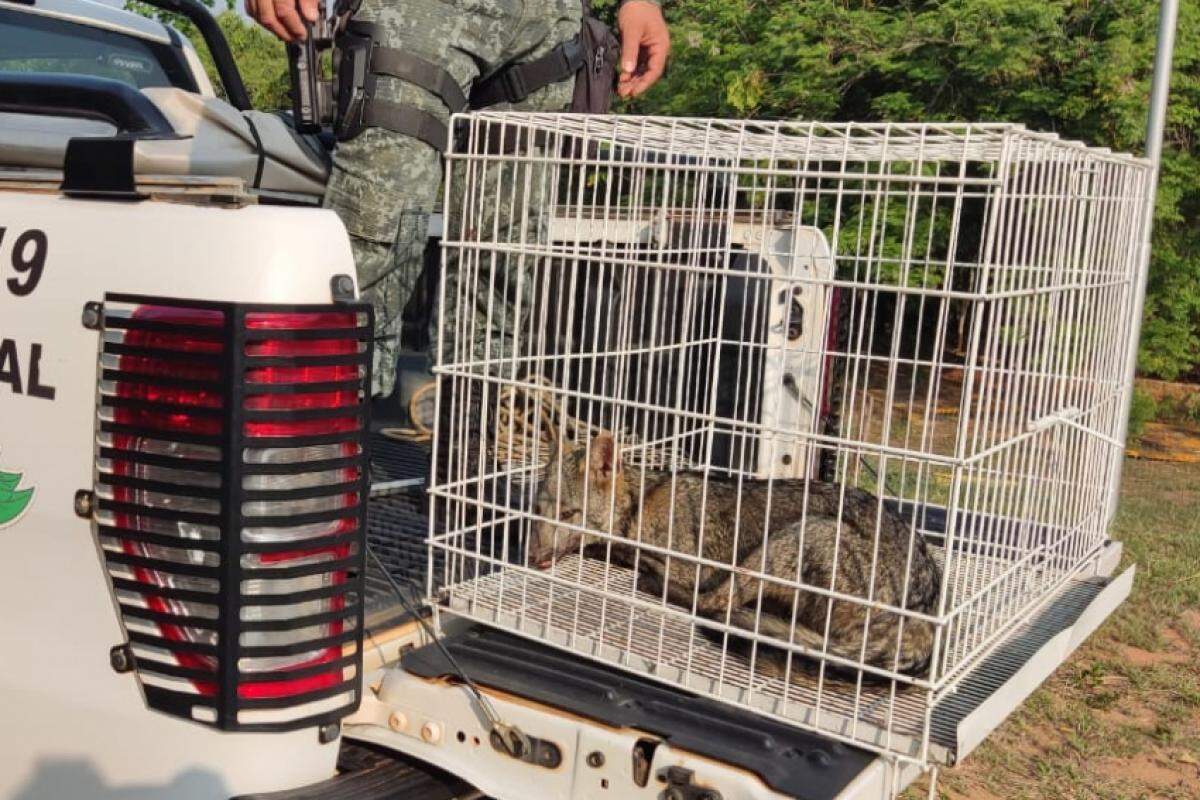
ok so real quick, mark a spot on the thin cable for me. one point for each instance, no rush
(497, 725)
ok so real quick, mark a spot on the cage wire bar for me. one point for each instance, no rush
(805, 417)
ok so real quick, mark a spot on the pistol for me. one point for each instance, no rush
(312, 92)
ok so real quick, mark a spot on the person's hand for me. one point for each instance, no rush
(284, 18)
(645, 43)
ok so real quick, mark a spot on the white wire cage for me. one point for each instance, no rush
(762, 410)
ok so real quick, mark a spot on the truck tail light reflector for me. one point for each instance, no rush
(231, 487)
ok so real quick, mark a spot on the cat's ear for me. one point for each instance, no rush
(604, 459)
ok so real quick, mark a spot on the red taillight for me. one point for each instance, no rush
(318, 347)
(178, 422)
(139, 365)
(299, 375)
(168, 428)
(345, 399)
(304, 427)
(152, 406)
(321, 339)
(301, 320)
(318, 335)
(203, 332)
(191, 409)
(176, 397)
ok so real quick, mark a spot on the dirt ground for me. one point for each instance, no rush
(1121, 719)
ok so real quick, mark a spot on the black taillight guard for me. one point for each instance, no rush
(231, 486)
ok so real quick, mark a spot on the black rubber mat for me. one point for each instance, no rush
(397, 460)
(398, 531)
(397, 528)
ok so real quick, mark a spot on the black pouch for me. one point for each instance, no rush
(596, 81)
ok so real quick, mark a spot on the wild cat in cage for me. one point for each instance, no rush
(669, 510)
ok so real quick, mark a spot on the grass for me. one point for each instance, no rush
(1121, 719)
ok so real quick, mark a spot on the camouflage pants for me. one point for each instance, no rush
(384, 185)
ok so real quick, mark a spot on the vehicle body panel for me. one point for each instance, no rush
(74, 727)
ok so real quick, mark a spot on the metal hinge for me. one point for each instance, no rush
(1070, 418)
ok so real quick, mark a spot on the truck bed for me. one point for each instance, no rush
(397, 525)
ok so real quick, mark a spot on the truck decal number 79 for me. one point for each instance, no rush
(28, 258)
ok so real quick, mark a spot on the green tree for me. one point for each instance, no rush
(260, 56)
(1077, 67)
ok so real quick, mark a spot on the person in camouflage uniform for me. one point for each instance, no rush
(384, 185)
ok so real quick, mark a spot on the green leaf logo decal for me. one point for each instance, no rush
(13, 502)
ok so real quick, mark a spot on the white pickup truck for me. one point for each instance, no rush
(208, 546)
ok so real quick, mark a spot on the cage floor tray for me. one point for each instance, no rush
(590, 618)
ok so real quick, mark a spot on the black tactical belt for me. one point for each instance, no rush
(418, 71)
(362, 61)
(408, 120)
(515, 83)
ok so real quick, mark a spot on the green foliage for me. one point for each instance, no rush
(1078, 67)
(259, 55)
(1143, 409)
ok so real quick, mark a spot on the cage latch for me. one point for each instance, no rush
(1070, 417)
(681, 786)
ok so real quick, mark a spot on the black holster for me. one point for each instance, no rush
(355, 84)
(359, 63)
